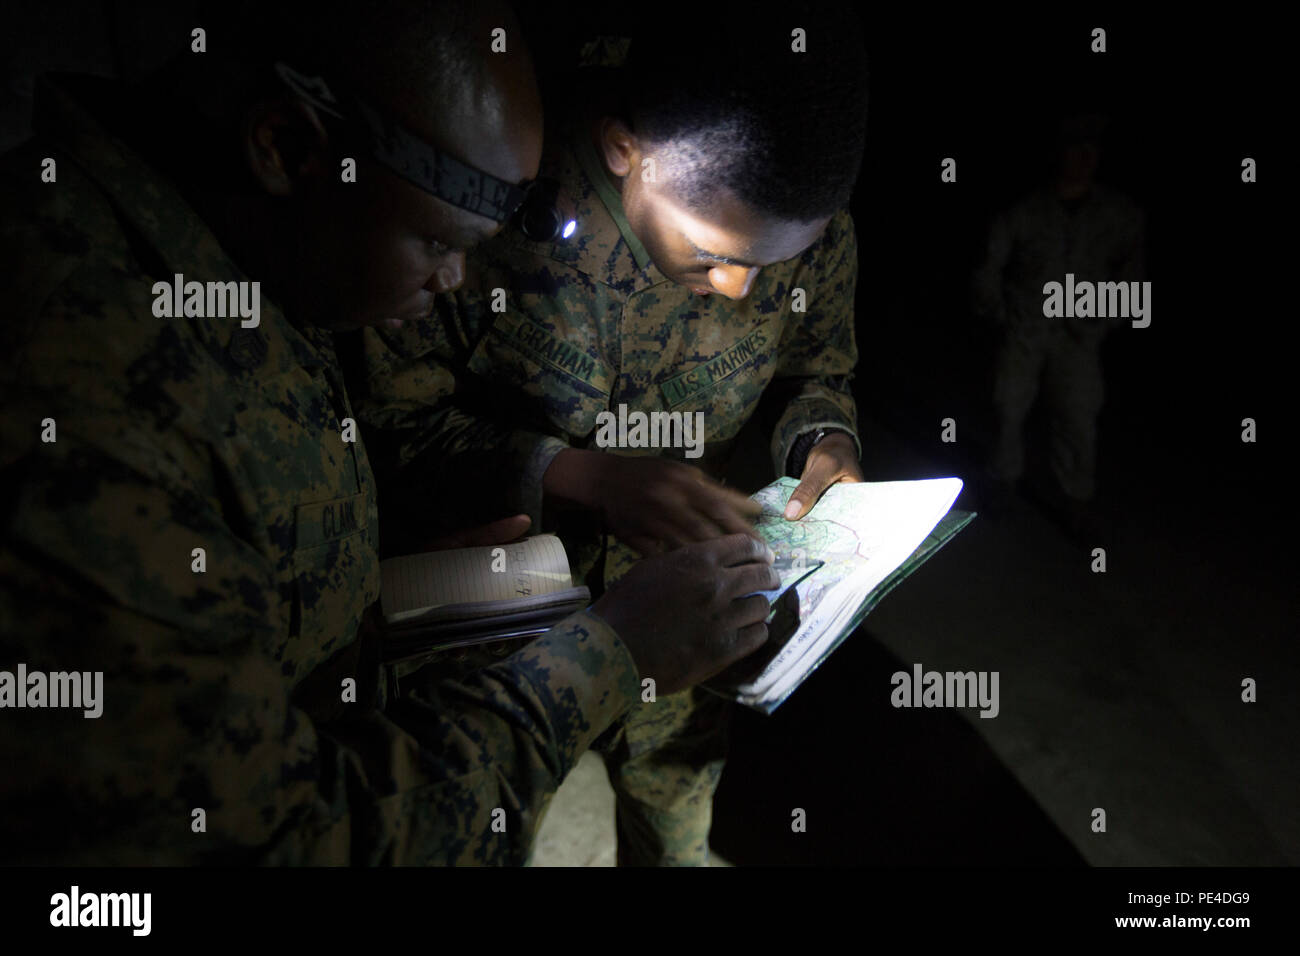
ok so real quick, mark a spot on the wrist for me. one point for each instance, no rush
(834, 440)
(574, 477)
(804, 445)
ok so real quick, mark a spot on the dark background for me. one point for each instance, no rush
(1198, 522)
(1187, 101)
(1189, 502)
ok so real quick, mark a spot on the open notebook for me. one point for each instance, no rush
(467, 596)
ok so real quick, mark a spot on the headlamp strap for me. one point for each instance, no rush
(416, 161)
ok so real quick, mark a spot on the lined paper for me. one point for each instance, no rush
(420, 582)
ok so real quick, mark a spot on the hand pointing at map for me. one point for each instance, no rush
(651, 504)
(832, 460)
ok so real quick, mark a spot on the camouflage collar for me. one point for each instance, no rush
(604, 248)
(595, 172)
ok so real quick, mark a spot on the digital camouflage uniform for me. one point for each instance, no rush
(222, 689)
(1038, 240)
(590, 323)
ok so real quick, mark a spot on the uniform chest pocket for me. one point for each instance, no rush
(560, 378)
(726, 385)
(335, 574)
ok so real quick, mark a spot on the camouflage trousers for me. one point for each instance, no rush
(664, 760)
(664, 757)
(1067, 369)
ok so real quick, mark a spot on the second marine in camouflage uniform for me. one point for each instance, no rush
(1098, 235)
(591, 324)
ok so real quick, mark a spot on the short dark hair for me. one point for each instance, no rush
(723, 93)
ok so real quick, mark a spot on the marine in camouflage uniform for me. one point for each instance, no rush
(1099, 238)
(590, 324)
(222, 689)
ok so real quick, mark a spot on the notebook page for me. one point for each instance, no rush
(537, 565)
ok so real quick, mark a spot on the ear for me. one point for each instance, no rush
(619, 147)
(284, 144)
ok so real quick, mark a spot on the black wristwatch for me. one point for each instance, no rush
(798, 456)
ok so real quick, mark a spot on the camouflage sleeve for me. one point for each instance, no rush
(818, 352)
(504, 738)
(1125, 262)
(196, 711)
(1132, 265)
(986, 284)
(198, 719)
(434, 444)
(98, 577)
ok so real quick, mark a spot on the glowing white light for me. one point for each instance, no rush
(569, 227)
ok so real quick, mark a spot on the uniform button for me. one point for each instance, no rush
(247, 348)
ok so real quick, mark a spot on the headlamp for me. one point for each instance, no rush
(535, 205)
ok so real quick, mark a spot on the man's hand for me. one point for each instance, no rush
(652, 504)
(684, 616)
(832, 460)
